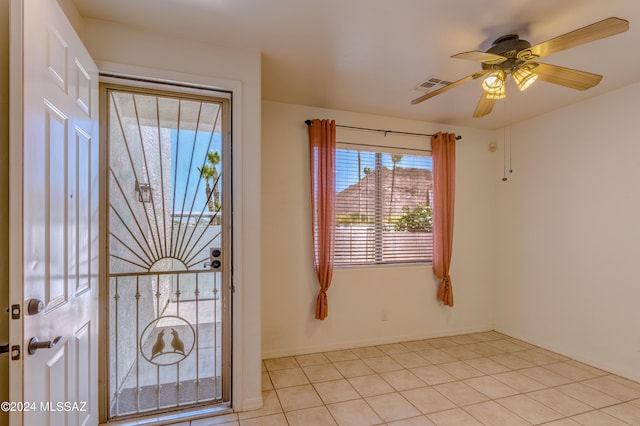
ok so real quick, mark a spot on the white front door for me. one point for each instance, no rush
(55, 255)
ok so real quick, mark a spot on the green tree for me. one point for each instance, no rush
(367, 171)
(359, 186)
(417, 220)
(395, 158)
(209, 171)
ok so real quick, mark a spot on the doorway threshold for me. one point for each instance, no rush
(171, 418)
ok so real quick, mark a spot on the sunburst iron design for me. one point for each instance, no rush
(165, 181)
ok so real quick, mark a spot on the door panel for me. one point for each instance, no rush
(83, 372)
(55, 151)
(60, 220)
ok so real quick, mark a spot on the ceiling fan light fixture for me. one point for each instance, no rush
(494, 83)
(524, 77)
(511, 55)
(497, 94)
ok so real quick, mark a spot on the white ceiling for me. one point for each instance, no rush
(369, 55)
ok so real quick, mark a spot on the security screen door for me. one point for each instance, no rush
(169, 252)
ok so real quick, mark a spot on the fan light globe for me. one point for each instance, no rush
(524, 77)
(501, 93)
(494, 83)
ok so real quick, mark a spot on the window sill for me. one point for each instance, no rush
(383, 265)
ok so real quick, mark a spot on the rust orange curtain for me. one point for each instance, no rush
(443, 151)
(322, 153)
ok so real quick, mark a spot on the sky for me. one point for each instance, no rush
(186, 157)
(347, 160)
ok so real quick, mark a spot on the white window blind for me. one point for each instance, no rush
(383, 206)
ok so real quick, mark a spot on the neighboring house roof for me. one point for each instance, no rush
(359, 197)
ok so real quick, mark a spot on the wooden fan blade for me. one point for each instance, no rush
(449, 87)
(485, 106)
(479, 56)
(574, 79)
(593, 32)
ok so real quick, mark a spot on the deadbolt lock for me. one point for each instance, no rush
(215, 259)
(34, 306)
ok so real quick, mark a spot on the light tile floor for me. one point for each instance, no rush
(473, 379)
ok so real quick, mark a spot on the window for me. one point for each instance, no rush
(383, 206)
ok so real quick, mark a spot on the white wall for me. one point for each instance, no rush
(124, 50)
(358, 296)
(568, 233)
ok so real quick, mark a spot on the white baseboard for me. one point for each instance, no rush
(334, 346)
(250, 404)
(609, 368)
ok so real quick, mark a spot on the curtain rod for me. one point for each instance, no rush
(309, 122)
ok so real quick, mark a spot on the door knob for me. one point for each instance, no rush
(34, 306)
(35, 344)
(4, 349)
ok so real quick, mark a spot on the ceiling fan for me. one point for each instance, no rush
(510, 55)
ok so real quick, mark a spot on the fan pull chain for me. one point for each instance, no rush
(504, 140)
(504, 151)
(510, 170)
(506, 136)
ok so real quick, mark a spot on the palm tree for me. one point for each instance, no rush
(395, 158)
(359, 189)
(366, 171)
(210, 171)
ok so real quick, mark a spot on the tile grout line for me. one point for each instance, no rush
(536, 356)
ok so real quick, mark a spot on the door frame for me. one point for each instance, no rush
(158, 87)
(245, 89)
(16, 292)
